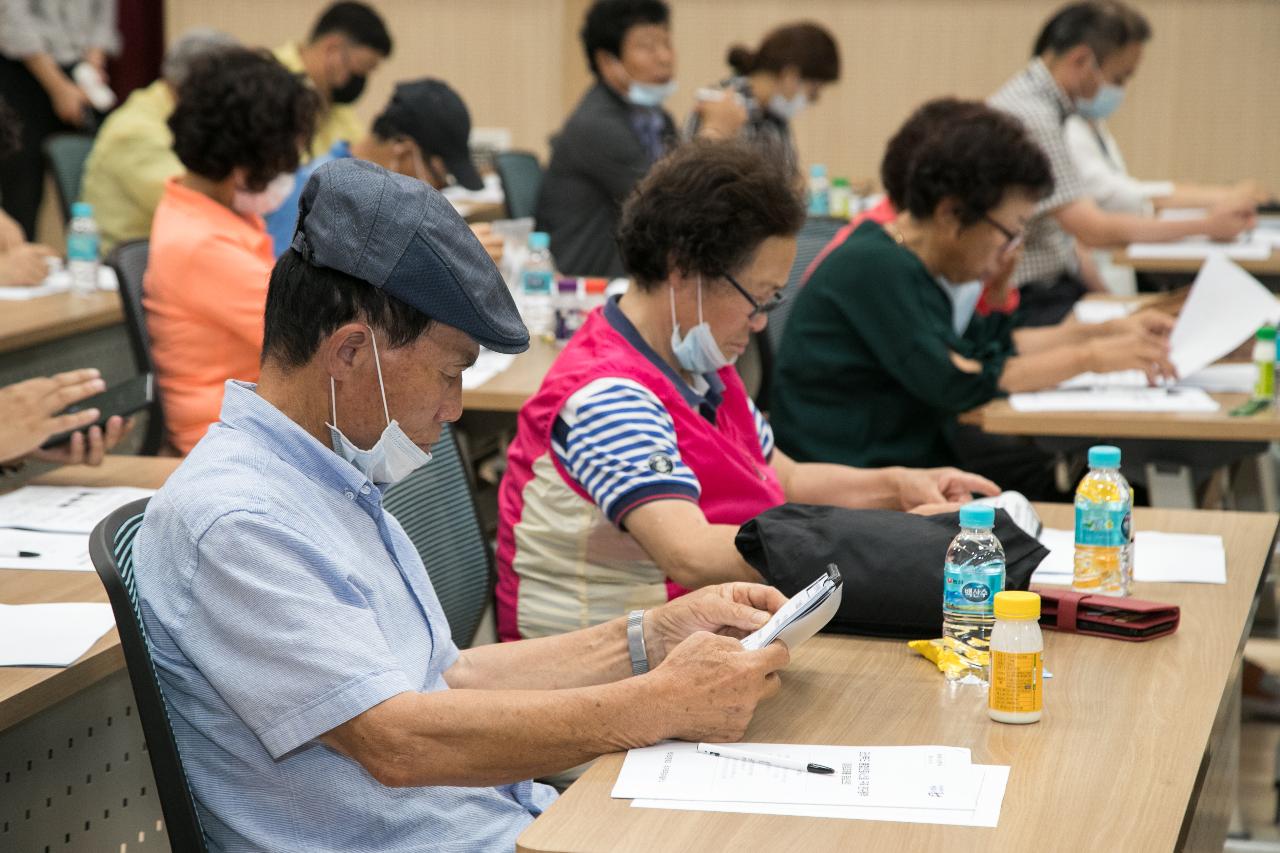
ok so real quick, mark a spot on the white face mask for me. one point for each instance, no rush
(268, 200)
(698, 351)
(393, 456)
(788, 108)
(650, 94)
(964, 302)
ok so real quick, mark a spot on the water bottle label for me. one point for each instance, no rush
(1103, 524)
(82, 247)
(970, 593)
(536, 281)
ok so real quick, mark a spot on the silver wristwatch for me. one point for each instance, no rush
(635, 642)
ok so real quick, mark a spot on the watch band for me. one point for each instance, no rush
(635, 642)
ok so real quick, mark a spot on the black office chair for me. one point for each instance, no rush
(816, 233)
(111, 548)
(66, 154)
(521, 177)
(129, 260)
(436, 506)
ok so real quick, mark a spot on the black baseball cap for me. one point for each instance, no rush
(400, 235)
(433, 115)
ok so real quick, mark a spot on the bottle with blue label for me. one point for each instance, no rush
(82, 249)
(1104, 526)
(974, 573)
(537, 284)
(819, 191)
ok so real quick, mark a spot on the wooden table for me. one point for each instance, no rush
(510, 389)
(1134, 752)
(51, 318)
(1267, 268)
(25, 691)
(999, 417)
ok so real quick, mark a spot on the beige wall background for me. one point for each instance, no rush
(1203, 106)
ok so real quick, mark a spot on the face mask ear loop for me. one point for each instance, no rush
(699, 300)
(675, 324)
(333, 403)
(377, 363)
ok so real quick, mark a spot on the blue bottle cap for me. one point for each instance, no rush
(977, 515)
(539, 240)
(818, 170)
(82, 208)
(1104, 456)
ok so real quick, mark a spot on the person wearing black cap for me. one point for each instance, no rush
(423, 133)
(303, 653)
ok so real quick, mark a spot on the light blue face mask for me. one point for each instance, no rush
(650, 94)
(697, 352)
(964, 302)
(1103, 104)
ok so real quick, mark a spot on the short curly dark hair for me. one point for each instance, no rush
(976, 159)
(10, 130)
(932, 117)
(242, 109)
(705, 208)
(608, 21)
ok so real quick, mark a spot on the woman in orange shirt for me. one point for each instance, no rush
(238, 127)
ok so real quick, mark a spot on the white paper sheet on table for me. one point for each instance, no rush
(1158, 557)
(57, 282)
(50, 634)
(986, 813)
(887, 777)
(64, 509)
(1101, 310)
(1116, 400)
(65, 551)
(488, 365)
(1197, 248)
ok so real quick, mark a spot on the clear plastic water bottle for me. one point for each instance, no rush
(1104, 526)
(973, 575)
(82, 249)
(819, 191)
(568, 307)
(537, 278)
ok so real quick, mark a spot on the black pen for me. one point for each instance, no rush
(763, 758)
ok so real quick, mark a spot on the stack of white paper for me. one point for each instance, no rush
(1157, 558)
(910, 784)
(487, 366)
(64, 509)
(1102, 310)
(50, 634)
(30, 549)
(57, 282)
(1116, 400)
(1244, 248)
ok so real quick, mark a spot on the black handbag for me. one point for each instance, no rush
(892, 562)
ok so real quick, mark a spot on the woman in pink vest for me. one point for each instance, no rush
(641, 454)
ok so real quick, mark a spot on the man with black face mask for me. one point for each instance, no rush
(346, 45)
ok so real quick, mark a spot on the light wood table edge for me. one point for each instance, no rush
(55, 328)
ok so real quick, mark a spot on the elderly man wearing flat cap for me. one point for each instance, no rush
(316, 697)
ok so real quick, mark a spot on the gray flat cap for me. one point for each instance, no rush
(399, 234)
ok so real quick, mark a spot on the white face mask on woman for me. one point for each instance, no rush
(267, 200)
(393, 456)
(788, 108)
(697, 351)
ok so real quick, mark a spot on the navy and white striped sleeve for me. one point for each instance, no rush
(763, 430)
(618, 442)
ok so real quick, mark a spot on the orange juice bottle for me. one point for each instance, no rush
(1104, 526)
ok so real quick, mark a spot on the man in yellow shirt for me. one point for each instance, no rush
(347, 43)
(133, 155)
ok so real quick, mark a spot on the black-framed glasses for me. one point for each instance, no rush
(757, 308)
(1013, 239)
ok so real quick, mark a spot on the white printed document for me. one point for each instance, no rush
(50, 634)
(1158, 557)
(804, 614)
(1244, 248)
(488, 365)
(32, 549)
(1116, 400)
(874, 773)
(64, 509)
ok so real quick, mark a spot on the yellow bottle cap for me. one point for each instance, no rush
(1017, 605)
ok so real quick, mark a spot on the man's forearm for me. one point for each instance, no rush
(599, 654)
(842, 485)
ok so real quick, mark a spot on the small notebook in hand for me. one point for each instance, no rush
(1106, 616)
(804, 614)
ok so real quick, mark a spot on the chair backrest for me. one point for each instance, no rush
(816, 233)
(66, 153)
(129, 260)
(111, 547)
(521, 177)
(436, 506)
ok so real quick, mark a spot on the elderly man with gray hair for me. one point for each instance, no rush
(133, 155)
